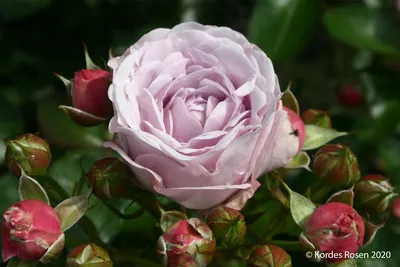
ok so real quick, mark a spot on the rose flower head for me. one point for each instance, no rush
(198, 115)
(187, 241)
(29, 228)
(335, 227)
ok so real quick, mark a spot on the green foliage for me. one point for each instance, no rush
(283, 28)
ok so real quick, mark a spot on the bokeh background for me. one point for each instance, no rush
(324, 48)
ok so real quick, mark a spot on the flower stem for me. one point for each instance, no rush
(125, 216)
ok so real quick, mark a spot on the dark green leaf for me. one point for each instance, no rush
(283, 28)
(61, 131)
(363, 28)
(71, 210)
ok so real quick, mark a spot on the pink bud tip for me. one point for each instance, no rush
(298, 126)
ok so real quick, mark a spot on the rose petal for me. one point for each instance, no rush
(185, 126)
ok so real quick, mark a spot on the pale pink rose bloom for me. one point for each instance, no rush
(198, 115)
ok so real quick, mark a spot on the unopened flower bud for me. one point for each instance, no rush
(191, 237)
(349, 95)
(373, 193)
(182, 260)
(335, 227)
(269, 256)
(89, 255)
(297, 126)
(317, 117)
(29, 152)
(227, 225)
(110, 178)
(29, 229)
(90, 92)
(395, 208)
(337, 165)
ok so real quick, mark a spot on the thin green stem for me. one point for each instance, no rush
(125, 216)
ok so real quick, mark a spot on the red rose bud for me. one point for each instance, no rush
(349, 95)
(335, 229)
(90, 92)
(373, 193)
(317, 117)
(297, 126)
(270, 256)
(29, 229)
(182, 260)
(227, 225)
(89, 255)
(191, 237)
(395, 208)
(336, 165)
(110, 178)
(29, 152)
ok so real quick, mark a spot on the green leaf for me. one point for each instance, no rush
(63, 132)
(71, 210)
(301, 160)
(344, 196)
(318, 136)
(15, 262)
(301, 207)
(66, 171)
(370, 231)
(363, 28)
(89, 62)
(29, 188)
(17, 9)
(283, 28)
(54, 251)
(289, 100)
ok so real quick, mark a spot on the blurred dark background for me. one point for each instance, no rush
(340, 56)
